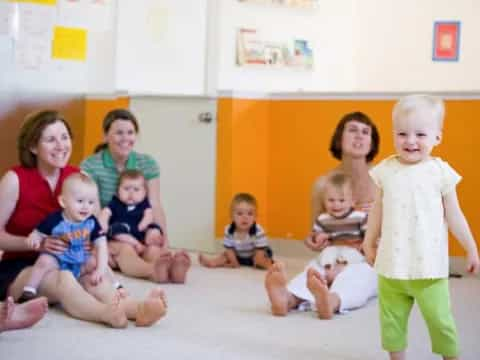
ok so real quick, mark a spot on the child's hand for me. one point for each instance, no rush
(33, 242)
(139, 247)
(320, 239)
(96, 277)
(370, 253)
(122, 293)
(473, 263)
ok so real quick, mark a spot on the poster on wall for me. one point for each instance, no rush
(253, 50)
(446, 40)
(287, 3)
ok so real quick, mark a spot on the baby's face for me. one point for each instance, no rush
(132, 191)
(415, 135)
(79, 202)
(338, 200)
(244, 216)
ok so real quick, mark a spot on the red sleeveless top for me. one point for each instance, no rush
(35, 201)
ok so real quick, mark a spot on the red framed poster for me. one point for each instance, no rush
(446, 40)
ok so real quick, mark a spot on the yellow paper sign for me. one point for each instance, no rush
(40, 2)
(69, 43)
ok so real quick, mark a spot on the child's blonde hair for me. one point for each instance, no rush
(78, 178)
(413, 103)
(243, 197)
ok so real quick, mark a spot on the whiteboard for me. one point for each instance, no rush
(161, 47)
(27, 41)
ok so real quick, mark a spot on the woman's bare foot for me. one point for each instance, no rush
(114, 315)
(276, 286)
(161, 268)
(14, 316)
(152, 309)
(180, 265)
(319, 289)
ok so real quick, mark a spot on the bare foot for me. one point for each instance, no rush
(152, 309)
(180, 265)
(276, 286)
(161, 267)
(319, 289)
(14, 316)
(205, 261)
(114, 315)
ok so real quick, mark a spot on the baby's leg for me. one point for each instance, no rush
(44, 264)
(281, 299)
(153, 236)
(89, 266)
(217, 261)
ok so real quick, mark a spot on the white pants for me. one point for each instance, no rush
(333, 254)
(355, 285)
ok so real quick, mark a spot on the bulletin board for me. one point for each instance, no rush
(64, 46)
(161, 47)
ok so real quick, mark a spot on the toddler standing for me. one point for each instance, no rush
(415, 201)
(245, 241)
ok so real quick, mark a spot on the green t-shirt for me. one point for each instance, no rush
(101, 168)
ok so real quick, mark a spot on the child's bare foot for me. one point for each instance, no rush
(180, 265)
(152, 309)
(319, 289)
(114, 315)
(161, 267)
(14, 316)
(276, 286)
(205, 261)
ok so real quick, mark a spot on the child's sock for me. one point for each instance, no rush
(28, 294)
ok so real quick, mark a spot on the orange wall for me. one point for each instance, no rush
(242, 155)
(95, 111)
(276, 149)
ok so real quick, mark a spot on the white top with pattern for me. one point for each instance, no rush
(414, 236)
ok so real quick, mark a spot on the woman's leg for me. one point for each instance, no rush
(180, 264)
(145, 313)
(131, 264)
(61, 286)
(177, 265)
(326, 302)
(281, 299)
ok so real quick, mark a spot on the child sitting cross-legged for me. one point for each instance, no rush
(245, 241)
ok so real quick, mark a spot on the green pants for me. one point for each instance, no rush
(396, 298)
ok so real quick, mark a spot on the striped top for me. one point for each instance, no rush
(346, 230)
(103, 171)
(245, 247)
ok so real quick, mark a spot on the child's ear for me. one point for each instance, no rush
(60, 201)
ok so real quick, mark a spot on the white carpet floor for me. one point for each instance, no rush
(224, 314)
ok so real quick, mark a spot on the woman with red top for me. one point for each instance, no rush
(28, 193)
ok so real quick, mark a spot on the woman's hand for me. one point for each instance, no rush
(53, 245)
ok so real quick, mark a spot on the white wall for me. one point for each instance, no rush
(359, 46)
(329, 27)
(395, 52)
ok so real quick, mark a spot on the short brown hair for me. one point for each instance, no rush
(338, 179)
(130, 174)
(243, 197)
(336, 141)
(31, 132)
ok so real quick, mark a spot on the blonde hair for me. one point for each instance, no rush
(78, 178)
(413, 103)
(339, 180)
(243, 197)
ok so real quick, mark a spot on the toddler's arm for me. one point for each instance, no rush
(102, 261)
(459, 227)
(104, 218)
(147, 219)
(34, 240)
(374, 226)
(231, 258)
